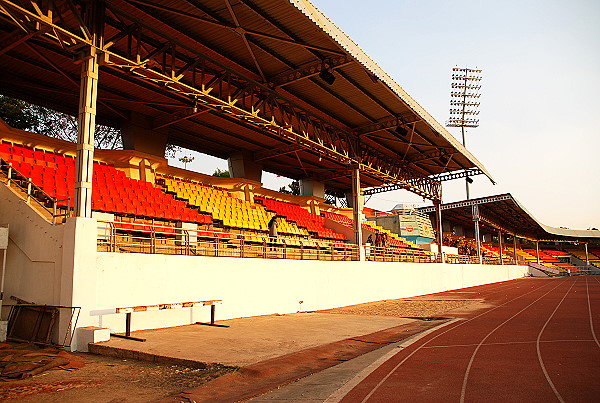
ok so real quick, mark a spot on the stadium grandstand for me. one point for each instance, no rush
(120, 239)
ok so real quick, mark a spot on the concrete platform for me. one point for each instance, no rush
(247, 340)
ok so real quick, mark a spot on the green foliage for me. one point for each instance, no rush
(16, 113)
(221, 174)
(294, 188)
(38, 119)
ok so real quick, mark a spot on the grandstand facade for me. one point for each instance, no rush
(180, 237)
(270, 86)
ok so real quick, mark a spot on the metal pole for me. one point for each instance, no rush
(475, 212)
(128, 324)
(515, 247)
(500, 243)
(587, 256)
(464, 106)
(357, 210)
(440, 235)
(537, 251)
(88, 95)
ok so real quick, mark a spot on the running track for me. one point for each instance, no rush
(535, 340)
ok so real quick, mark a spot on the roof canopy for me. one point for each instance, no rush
(504, 212)
(275, 78)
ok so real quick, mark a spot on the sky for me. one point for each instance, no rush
(538, 135)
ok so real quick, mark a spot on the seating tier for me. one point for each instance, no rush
(112, 190)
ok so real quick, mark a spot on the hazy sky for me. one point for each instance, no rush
(540, 103)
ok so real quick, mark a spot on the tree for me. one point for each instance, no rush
(16, 113)
(38, 119)
(294, 188)
(221, 174)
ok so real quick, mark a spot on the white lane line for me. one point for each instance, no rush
(539, 353)
(505, 343)
(352, 383)
(468, 370)
(442, 333)
(590, 312)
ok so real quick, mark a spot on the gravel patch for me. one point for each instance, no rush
(405, 308)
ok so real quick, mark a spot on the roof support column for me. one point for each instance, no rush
(357, 207)
(88, 95)
(439, 229)
(500, 244)
(475, 210)
(537, 251)
(587, 256)
(515, 247)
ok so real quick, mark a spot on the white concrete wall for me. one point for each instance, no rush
(60, 265)
(34, 254)
(251, 287)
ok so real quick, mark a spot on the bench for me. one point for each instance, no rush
(143, 308)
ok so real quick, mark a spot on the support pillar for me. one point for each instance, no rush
(309, 187)
(357, 211)
(440, 231)
(88, 95)
(587, 256)
(138, 133)
(475, 210)
(537, 251)
(500, 244)
(242, 165)
(515, 247)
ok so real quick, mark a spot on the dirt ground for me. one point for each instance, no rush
(405, 308)
(107, 379)
(110, 380)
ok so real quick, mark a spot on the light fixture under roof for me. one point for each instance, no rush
(327, 76)
(401, 130)
(326, 72)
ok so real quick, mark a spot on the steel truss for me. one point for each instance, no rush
(466, 203)
(131, 47)
(448, 176)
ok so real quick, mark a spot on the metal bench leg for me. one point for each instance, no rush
(213, 309)
(127, 334)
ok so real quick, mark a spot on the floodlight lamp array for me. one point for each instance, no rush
(461, 103)
(464, 77)
(467, 86)
(466, 112)
(467, 70)
(464, 94)
(459, 122)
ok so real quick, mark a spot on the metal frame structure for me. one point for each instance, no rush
(119, 41)
(250, 71)
(503, 213)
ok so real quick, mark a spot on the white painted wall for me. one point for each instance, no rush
(60, 265)
(251, 287)
(34, 254)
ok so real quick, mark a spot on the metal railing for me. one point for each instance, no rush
(152, 238)
(50, 204)
(134, 237)
(394, 254)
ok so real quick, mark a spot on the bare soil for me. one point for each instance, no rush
(112, 380)
(405, 308)
(107, 379)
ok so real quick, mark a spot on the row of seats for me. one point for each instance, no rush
(112, 190)
(231, 211)
(395, 240)
(312, 222)
(339, 218)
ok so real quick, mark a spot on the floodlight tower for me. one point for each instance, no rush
(464, 102)
(186, 160)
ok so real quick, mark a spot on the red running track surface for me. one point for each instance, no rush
(535, 340)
